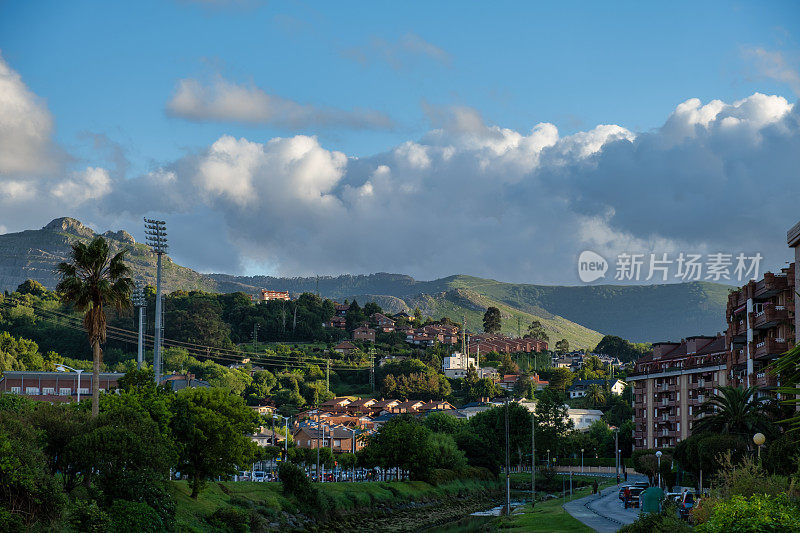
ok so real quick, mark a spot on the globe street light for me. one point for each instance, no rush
(658, 455)
(64, 368)
(759, 439)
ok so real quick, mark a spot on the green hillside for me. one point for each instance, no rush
(642, 313)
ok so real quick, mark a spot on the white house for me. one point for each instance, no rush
(580, 388)
(583, 418)
(457, 365)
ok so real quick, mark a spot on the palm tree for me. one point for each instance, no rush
(595, 394)
(92, 280)
(736, 411)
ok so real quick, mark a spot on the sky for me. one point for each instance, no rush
(425, 138)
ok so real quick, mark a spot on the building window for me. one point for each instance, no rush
(83, 390)
(337, 442)
(16, 390)
(32, 390)
(65, 391)
(48, 390)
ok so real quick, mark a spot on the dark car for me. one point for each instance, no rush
(635, 492)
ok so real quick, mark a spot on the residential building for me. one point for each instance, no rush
(364, 333)
(761, 317)
(336, 321)
(382, 406)
(457, 365)
(671, 384)
(433, 405)
(338, 439)
(484, 343)
(361, 405)
(341, 309)
(266, 437)
(584, 418)
(184, 381)
(580, 388)
(267, 295)
(408, 406)
(335, 404)
(345, 347)
(383, 322)
(55, 386)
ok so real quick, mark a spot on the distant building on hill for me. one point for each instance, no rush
(267, 295)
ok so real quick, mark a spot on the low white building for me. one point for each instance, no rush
(583, 418)
(457, 365)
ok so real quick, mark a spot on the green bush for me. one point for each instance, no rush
(86, 517)
(134, 517)
(760, 513)
(230, 519)
(296, 483)
(437, 476)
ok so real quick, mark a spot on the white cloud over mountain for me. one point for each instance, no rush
(467, 197)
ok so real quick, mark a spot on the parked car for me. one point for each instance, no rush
(636, 491)
(686, 503)
(259, 475)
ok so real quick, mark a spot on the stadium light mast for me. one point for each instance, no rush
(140, 302)
(157, 240)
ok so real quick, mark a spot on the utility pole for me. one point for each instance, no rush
(156, 237)
(372, 368)
(140, 302)
(508, 466)
(616, 451)
(328, 376)
(294, 320)
(256, 326)
(533, 460)
(519, 327)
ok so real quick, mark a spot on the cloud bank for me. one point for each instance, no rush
(467, 197)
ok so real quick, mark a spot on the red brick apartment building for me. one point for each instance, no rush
(267, 295)
(671, 384)
(55, 386)
(760, 318)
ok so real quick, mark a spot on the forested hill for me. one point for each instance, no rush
(579, 314)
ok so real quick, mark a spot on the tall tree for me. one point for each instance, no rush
(491, 320)
(562, 346)
(595, 395)
(91, 280)
(536, 331)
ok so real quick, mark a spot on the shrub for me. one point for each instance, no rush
(86, 516)
(134, 517)
(296, 483)
(230, 519)
(756, 513)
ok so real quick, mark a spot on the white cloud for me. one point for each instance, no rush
(775, 65)
(222, 100)
(398, 54)
(90, 184)
(25, 127)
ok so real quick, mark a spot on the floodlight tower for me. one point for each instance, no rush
(157, 240)
(140, 302)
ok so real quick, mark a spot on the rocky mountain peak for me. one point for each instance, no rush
(69, 225)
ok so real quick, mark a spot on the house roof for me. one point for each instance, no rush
(361, 402)
(335, 402)
(409, 404)
(345, 345)
(317, 433)
(382, 404)
(440, 405)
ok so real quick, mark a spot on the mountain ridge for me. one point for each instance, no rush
(640, 313)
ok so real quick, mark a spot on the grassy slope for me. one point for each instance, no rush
(190, 513)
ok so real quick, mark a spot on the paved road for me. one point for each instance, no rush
(603, 512)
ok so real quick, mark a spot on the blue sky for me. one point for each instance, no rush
(110, 67)
(148, 88)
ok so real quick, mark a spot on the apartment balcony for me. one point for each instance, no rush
(763, 380)
(738, 356)
(768, 348)
(771, 285)
(769, 317)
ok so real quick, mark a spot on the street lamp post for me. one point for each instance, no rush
(658, 455)
(581, 460)
(533, 459)
(759, 439)
(64, 368)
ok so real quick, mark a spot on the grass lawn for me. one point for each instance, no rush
(549, 516)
